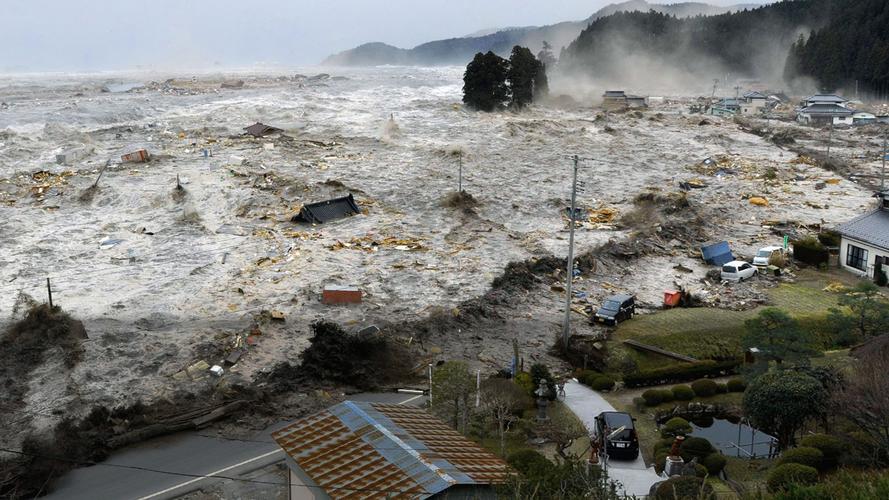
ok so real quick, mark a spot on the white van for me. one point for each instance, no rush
(737, 270)
(765, 254)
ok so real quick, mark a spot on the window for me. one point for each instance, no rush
(729, 269)
(856, 257)
(745, 267)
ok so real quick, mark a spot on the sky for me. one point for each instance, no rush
(94, 35)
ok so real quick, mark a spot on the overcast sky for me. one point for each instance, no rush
(64, 35)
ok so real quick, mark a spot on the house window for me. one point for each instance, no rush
(856, 257)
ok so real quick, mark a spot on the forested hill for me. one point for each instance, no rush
(751, 43)
(854, 45)
(460, 51)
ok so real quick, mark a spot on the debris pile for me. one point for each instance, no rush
(370, 243)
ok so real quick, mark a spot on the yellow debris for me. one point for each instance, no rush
(759, 201)
(832, 181)
(368, 243)
(835, 287)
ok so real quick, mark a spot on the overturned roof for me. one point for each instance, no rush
(754, 95)
(871, 228)
(323, 211)
(261, 130)
(615, 93)
(826, 109)
(386, 451)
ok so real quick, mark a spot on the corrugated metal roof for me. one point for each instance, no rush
(871, 228)
(825, 98)
(826, 109)
(359, 449)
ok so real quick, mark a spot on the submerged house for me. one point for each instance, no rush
(323, 211)
(381, 451)
(619, 99)
(753, 103)
(864, 247)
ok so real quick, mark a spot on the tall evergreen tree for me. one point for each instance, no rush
(484, 82)
(523, 71)
(546, 56)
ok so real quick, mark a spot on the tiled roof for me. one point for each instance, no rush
(825, 98)
(359, 449)
(826, 109)
(871, 228)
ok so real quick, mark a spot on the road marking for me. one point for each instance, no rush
(208, 476)
(411, 399)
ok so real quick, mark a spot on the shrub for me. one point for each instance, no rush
(681, 373)
(531, 464)
(803, 455)
(701, 471)
(676, 426)
(523, 380)
(811, 251)
(831, 448)
(721, 388)
(684, 488)
(695, 447)
(660, 460)
(639, 404)
(586, 377)
(539, 372)
(664, 445)
(714, 463)
(652, 397)
(785, 475)
(736, 385)
(829, 238)
(666, 395)
(602, 383)
(683, 393)
(704, 388)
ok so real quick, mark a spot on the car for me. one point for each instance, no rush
(764, 255)
(737, 270)
(625, 445)
(615, 309)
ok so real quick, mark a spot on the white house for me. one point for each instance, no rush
(753, 103)
(823, 114)
(864, 247)
(824, 99)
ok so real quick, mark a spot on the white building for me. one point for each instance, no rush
(864, 247)
(823, 114)
(825, 99)
(753, 103)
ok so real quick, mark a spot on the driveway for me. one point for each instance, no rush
(634, 476)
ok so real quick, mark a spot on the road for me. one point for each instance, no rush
(183, 456)
(635, 478)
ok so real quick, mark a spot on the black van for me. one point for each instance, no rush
(625, 445)
(616, 308)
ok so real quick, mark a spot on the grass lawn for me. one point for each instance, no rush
(751, 474)
(708, 333)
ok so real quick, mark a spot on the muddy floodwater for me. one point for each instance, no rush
(166, 277)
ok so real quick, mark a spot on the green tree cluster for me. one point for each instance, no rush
(781, 401)
(490, 82)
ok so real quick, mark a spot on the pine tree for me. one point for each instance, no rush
(523, 71)
(484, 82)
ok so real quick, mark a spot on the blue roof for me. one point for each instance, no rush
(717, 254)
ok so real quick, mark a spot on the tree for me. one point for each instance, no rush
(545, 56)
(778, 337)
(863, 398)
(484, 82)
(501, 399)
(781, 401)
(569, 479)
(866, 315)
(562, 428)
(452, 386)
(521, 76)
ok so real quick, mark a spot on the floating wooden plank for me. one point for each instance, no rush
(658, 350)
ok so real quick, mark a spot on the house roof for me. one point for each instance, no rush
(323, 211)
(261, 129)
(871, 228)
(615, 93)
(825, 98)
(730, 102)
(754, 95)
(385, 451)
(826, 109)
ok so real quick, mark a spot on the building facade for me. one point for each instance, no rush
(864, 247)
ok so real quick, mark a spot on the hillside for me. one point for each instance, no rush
(628, 47)
(460, 50)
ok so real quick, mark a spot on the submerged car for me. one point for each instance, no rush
(616, 308)
(764, 255)
(737, 271)
(624, 445)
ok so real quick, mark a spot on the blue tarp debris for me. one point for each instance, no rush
(717, 254)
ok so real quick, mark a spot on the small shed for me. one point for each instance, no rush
(324, 211)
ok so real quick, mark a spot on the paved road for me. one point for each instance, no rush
(586, 403)
(188, 453)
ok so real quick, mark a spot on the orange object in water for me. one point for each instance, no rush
(340, 295)
(139, 156)
(672, 298)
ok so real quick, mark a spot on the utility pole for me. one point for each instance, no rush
(883, 169)
(566, 328)
(460, 177)
(49, 292)
(715, 83)
(829, 139)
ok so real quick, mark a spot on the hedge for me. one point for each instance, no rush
(652, 397)
(803, 455)
(736, 385)
(681, 373)
(666, 395)
(721, 388)
(602, 383)
(785, 475)
(676, 426)
(831, 448)
(695, 447)
(683, 393)
(810, 251)
(704, 388)
(714, 463)
(683, 487)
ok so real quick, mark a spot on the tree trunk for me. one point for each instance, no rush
(502, 433)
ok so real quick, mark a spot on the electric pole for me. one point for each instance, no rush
(460, 177)
(566, 328)
(829, 139)
(883, 169)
